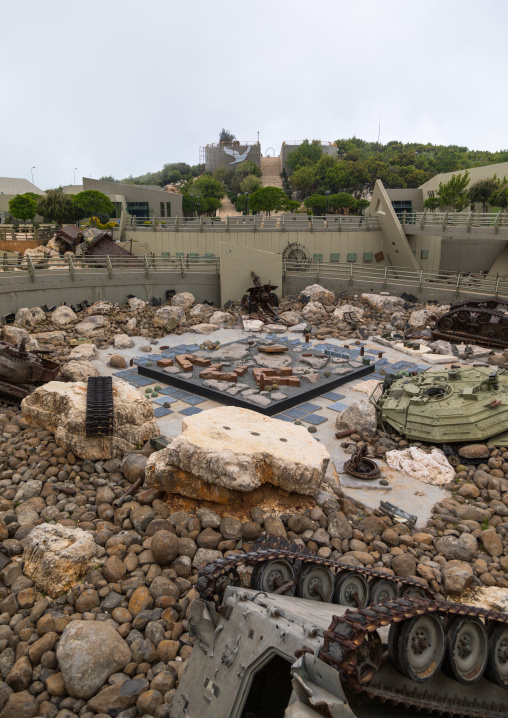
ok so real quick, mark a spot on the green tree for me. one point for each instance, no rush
(482, 190)
(206, 186)
(499, 198)
(269, 199)
(310, 151)
(92, 203)
(24, 206)
(432, 203)
(59, 207)
(250, 184)
(226, 136)
(317, 203)
(342, 200)
(108, 178)
(304, 179)
(454, 193)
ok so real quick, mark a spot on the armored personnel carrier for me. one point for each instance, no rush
(446, 406)
(21, 370)
(282, 633)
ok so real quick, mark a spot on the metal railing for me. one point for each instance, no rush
(377, 277)
(17, 232)
(495, 221)
(257, 223)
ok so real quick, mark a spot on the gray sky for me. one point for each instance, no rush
(121, 86)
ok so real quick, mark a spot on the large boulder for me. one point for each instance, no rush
(357, 312)
(359, 416)
(204, 328)
(457, 576)
(313, 311)
(291, 317)
(317, 293)
(62, 316)
(122, 341)
(89, 652)
(383, 303)
(93, 324)
(201, 312)
(136, 304)
(219, 317)
(102, 308)
(185, 300)
(78, 370)
(57, 557)
(14, 335)
(164, 315)
(238, 450)
(421, 318)
(430, 468)
(29, 318)
(61, 408)
(83, 351)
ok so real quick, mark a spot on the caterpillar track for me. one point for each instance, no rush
(475, 321)
(373, 638)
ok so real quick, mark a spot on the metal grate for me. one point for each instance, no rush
(99, 406)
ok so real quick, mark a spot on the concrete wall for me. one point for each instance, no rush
(394, 241)
(238, 262)
(470, 255)
(475, 174)
(407, 195)
(329, 148)
(137, 193)
(217, 156)
(53, 289)
(427, 250)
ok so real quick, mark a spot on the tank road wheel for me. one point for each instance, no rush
(503, 322)
(246, 303)
(483, 318)
(271, 575)
(491, 303)
(382, 590)
(316, 583)
(446, 323)
(229, 578)
(393, 645)
(413, 592)
(274, 300)
(467, 650)
(497, 667)
(422, 647)
(351, 589)
(463, 316)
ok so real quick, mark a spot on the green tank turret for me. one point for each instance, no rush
(465, 404)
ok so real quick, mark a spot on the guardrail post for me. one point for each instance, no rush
(423, 218)
(421, 278)
(147, 266)
(176, 223)
(445, 220)
(457, 288)
(71, 266)
(340, 223)
(497, 284)
(31, 268)
(312, 223)
(182, 267)
(110, 266)
(283, 228)
(469, 222)
(497, 221)
(317, 272)
(227, 223)
(367, 221)
(351, 275)
(201, 223)
(385, 276)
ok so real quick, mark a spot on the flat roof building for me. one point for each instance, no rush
(9, 188)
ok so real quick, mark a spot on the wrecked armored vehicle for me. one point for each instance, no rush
(445, 406)
(351, 639)
(21, 371)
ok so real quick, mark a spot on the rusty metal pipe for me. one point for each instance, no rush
(344, 433)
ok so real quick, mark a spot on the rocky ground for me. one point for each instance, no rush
(118, 639)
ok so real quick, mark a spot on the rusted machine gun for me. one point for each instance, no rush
(475, 321)
(21, 370)
(261, 301)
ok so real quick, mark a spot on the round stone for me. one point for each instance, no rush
(474, 451)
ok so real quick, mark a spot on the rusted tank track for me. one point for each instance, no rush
(213, 578)
(475, 321)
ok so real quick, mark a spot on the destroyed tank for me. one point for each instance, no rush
(475, 321)
(21, 371)
(282, 633)
(467, 404)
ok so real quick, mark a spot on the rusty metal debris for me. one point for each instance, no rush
(397, 514)
(361, 467)
(475, 321)
(117, 503)
(21, 370)
(261, 301)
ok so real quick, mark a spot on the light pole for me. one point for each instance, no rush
(32, 171)
(327, 193)
(75, 168)
(246, 203)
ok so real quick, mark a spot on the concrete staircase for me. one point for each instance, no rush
(270, 168)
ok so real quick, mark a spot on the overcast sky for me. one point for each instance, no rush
(121, 87)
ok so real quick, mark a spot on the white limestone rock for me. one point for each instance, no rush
(56, 337)
(275, 328)
(83, 351)
(136, 304)
(204, 328)
(241, 449)
(123, 341)
(102, 308)
(63, 316)
(57, 557)
(260, 400)
(317, 293)
(29, 318)
(78, 370)
(298, 328)
(359, 416)
(291, 317)
(219, 317)
(313, 311)
(253, 325)
(14, 335)
(383, 303)
(421, 318)
(338, 313)
(61, 408)
(130, 324)
(201, 312)
(165, 314)
(366, 387)
(430, 468)
(439, 358)
(185, 300)
(92, 325)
